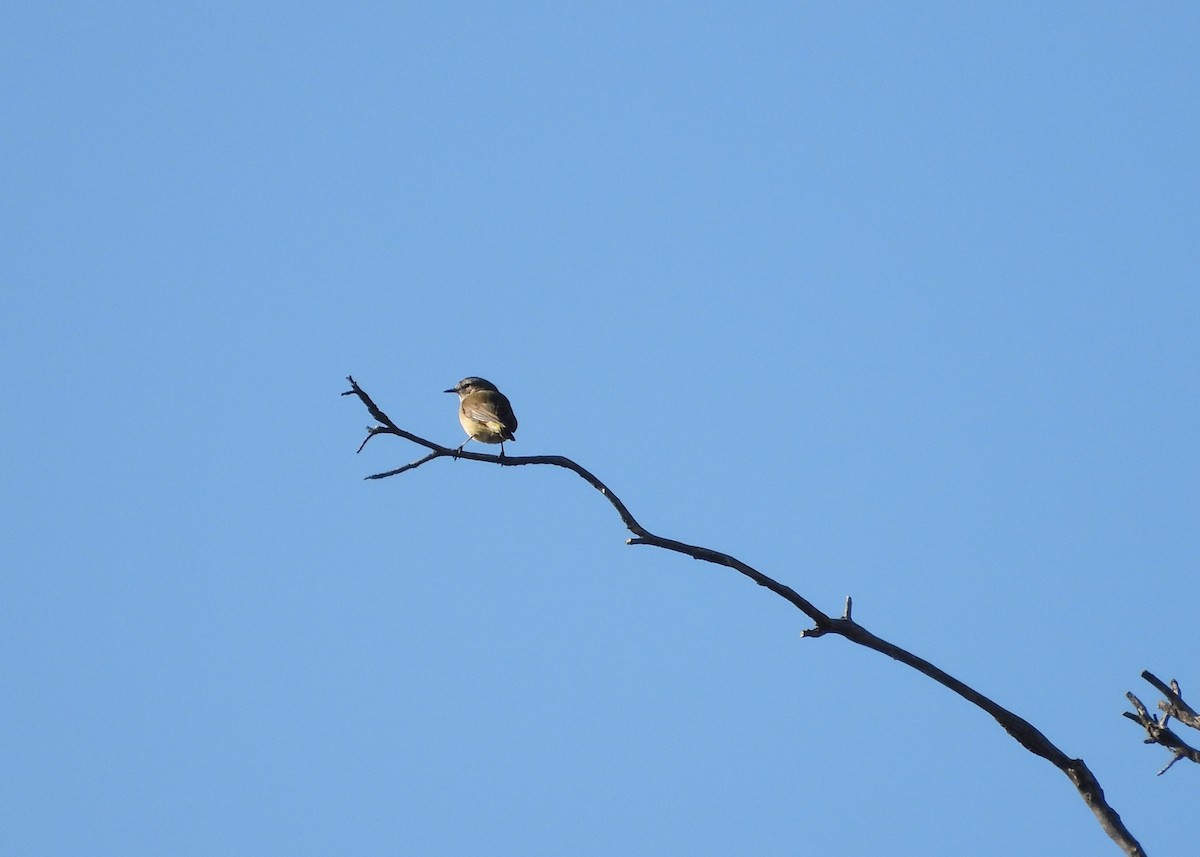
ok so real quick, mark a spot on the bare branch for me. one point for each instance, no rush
(1157, 731)
(386, 426)
(1173, 705)
(1021, 730)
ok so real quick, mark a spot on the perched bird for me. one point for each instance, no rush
(484, 412)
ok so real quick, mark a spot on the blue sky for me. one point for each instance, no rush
(896, 301)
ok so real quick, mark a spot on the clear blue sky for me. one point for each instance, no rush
(893, 300)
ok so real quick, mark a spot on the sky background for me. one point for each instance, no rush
(900, 301)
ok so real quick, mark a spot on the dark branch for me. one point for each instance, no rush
(1157, 731)
(1021, 730)
(386, 426)
(1173, 705)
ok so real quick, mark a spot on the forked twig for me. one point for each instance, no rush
(1157, 731)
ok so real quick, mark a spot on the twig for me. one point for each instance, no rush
(1021, 730)
(1173, 705)
(1157, 731)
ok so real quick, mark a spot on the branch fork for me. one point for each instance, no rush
(1158, 731)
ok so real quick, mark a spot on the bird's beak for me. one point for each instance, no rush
(451, 390)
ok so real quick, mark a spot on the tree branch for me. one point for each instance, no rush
(1173, 705)
(1021, 730)
(1157, 732)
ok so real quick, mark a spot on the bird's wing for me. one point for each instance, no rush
(483, 412)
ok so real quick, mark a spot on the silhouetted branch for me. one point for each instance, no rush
(1157, 732)
(1173, 705)
(1021, 730)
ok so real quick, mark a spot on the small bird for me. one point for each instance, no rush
(484, 412)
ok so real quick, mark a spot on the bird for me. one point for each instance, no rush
(484, 412)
